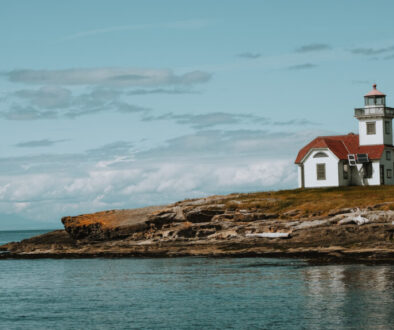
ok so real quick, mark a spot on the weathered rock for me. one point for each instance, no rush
(340, 211)
(105, 225)
(203, 213)
(253, 216)
(310, 224)
(291, 213)
(221, 225)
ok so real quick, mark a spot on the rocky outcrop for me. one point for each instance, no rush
(113, 224)
(233, 225)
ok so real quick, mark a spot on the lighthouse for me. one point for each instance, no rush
(375, 120)
(366, 158)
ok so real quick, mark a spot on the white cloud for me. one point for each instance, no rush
(48, 196)
(114, 77)
(116, 176)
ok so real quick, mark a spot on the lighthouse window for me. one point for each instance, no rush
(371, 128)
(379, 100)
(321, 171)
(387, 127)
(370, 101)
(388, 155)
(389, 173)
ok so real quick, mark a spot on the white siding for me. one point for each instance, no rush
(331, 163)
(358, 175)
(377, 138)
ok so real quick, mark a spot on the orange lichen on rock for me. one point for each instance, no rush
(107, 224)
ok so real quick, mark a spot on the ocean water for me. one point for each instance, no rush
(193, 293)
(18, 235)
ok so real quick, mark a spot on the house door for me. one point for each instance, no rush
(381, 174)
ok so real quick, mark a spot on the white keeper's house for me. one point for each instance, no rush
(361, 159)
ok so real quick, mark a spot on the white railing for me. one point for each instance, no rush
(374, 111)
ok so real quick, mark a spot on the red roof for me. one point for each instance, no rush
(374, 92)
(341, 146)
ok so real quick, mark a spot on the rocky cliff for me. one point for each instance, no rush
(348, 224)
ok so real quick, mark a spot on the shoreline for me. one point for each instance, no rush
(349, 225)
(317, 258)
(42, 247)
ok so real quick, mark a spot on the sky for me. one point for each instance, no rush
(121, 104)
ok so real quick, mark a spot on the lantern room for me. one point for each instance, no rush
(375, 98)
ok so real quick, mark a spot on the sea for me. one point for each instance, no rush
(192, 293)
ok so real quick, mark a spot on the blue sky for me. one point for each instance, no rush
(119, 104)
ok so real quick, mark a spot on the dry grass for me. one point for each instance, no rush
(319, 201)
(300, 203)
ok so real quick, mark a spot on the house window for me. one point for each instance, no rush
(345, 171)
(387, 127)
(389, 172)
(367, 169)
(371, 128)
(321, 171)
(388, 155)
(320, 154)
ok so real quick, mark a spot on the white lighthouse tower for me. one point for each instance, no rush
(375, 120)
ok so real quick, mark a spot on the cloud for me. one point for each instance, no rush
(38, 143)
(313, 47)
(58, 102)
(185, 24)
(209, 120)
(107, 77)
(173, 91)
(371, 51)
(215, 142)
(304, 66)
(125, 185)
(19, 112)
(130, 108)
(49, 97)
(116, 175)
(112, 149)
(295, 122)
(90, 91)
(200, 120)
(249, 55)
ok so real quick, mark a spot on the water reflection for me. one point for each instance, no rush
(354, 296)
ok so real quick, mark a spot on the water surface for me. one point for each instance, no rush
(194, 293)
(18, 235)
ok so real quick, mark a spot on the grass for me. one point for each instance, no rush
(319, 201)
(287, 204)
